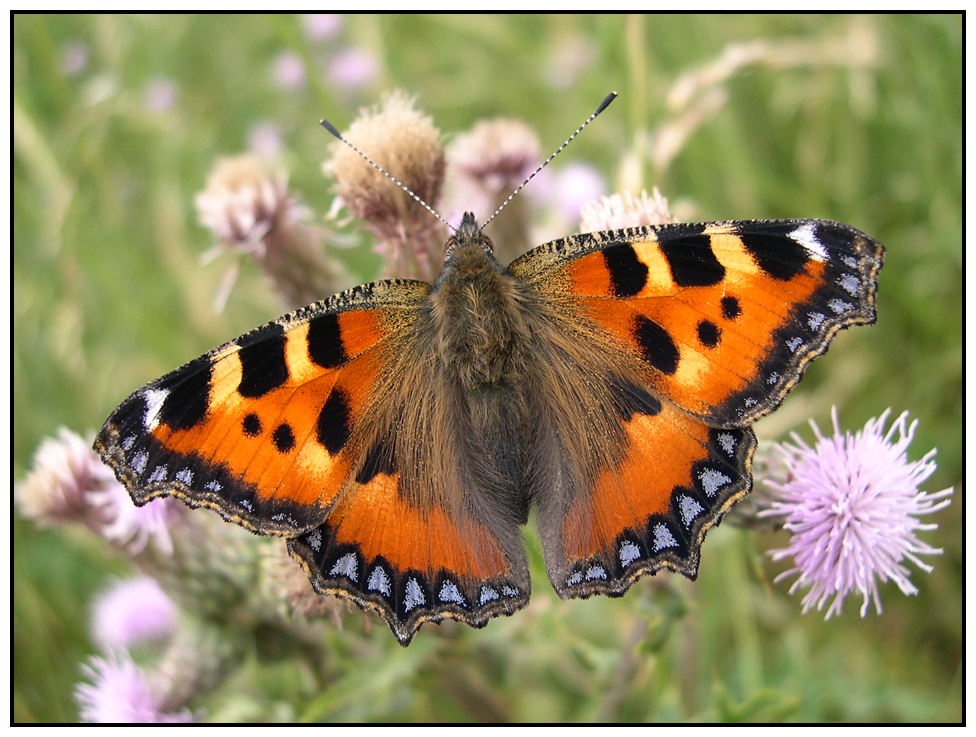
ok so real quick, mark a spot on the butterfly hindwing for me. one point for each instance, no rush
(651, 510)
(703, 328)
(410, 563)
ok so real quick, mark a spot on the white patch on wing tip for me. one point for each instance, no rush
(663, 538)
(839, 306)
(815, 320)
(712, 481)
(154, 403)
(314, 538)
(806, 236)
(849, 283)
(690, 509)
(629, 552)
(159, 474)
(139, 461)
(595, 572)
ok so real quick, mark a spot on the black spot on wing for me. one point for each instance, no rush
(334, 422)
(251, 425)
(283, 438)
(325, 342)
(776, 253)
(708, 333)
(130, 415)
(189, 394)
(691, 260)
(262, 357)
(378, 460)
(628, 275)
(630, 399)
(656, 345)
(730, 308)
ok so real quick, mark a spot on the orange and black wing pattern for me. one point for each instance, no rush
(623, 411)
(718, 322)
(263, 428)
(282, 432)
(413, 562)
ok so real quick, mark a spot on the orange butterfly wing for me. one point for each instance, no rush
(279, 431)
(718, 320)
(412, 564)
(261, 428)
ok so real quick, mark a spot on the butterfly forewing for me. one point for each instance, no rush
(262, 428)
(724, 317)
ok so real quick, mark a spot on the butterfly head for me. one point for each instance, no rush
(470, 253)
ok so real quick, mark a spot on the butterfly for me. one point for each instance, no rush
(397, 434)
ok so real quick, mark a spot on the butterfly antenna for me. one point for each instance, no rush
(334, 131)
(603, 106)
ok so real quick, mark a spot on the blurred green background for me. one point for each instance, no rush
(117, 122)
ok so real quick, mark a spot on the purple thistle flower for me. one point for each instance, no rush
(322, 25)
(851, 503)
(289, 70)
(353, 68)
(264, 139)
(133, 527)
(119, 692)
(161, 94)
(74, 57)
(131, 612)
(572, 187)
(65, 472)
(69, 483)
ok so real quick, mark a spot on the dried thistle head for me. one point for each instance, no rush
(406, 144)
(250, 210)
(243, 201)
(485, 166)
(625, 211)
(497, 154)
